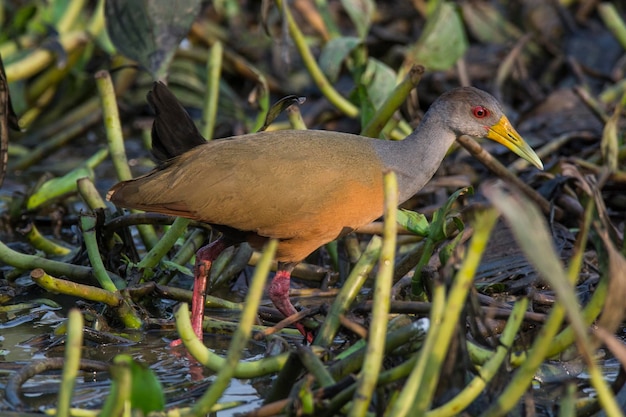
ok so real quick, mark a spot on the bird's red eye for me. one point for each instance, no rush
(480, 112)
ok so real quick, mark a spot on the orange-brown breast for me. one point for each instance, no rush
(303, 187)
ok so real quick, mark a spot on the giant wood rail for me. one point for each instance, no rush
(302, 187)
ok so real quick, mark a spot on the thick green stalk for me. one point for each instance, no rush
(215, 362)
(73, 348)
(404, 401)
(214, 70)
(455, 302)
(418, 391)
(86, 292)
(40, 242)
(75, 124)
(113, 125)
(88, 225)
(115, 140)
(23, 261)
(167, 241)
(393, 102)
(90, 194)
(39, 59)
(348, 292)
(611, 18)
(382, 296)
(485, 373)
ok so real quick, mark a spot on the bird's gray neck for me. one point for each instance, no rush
(416, 158)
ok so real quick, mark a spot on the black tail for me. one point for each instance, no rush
(173, 131)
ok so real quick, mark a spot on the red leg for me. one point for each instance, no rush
(279, 294)
(204, 259)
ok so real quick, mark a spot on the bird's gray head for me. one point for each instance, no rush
(473, 112)
(469, 111)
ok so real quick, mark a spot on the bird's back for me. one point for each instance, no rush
(303, 186)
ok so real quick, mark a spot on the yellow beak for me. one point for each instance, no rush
(503, 133)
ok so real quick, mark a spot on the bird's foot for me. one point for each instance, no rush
(279, 294)
(308, 336)
(204, 259)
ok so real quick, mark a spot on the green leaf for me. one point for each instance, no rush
(149, 31)
(177, 267)
(334, 54)
(443, 40)
(438, 223)
(278, 107)
(446, 252)
(485, 22)
(360, 12)
(147, 391)
(414, 222)
(380, 80)
(610, 144)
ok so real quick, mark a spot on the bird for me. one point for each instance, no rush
(304, 188)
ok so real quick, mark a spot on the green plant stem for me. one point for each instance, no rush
(231, 269)
(315, 366)
(115, 140)
(95, 26)
(87, 292)
(215, 362)
(611, 18)
(417, 393)
(73, 348)
(348, 292)
(393, 102)
(167, 241)
(352, 363)
(112, 125)
(121, 388)
(485, 373)
(403, 403)
(316, 73)
(40, 242)
(185, 252)
(455, 302)
(69, 128)
(88, 225)
(70, 15)
(417, 284)
(126, 312)
(26, 262)
(295, 117)
(175, 293)
(214, 70)
(37, 60)
(57, 187)
(41, 91)
(90, 194)
(382, 294)
(386, 377)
